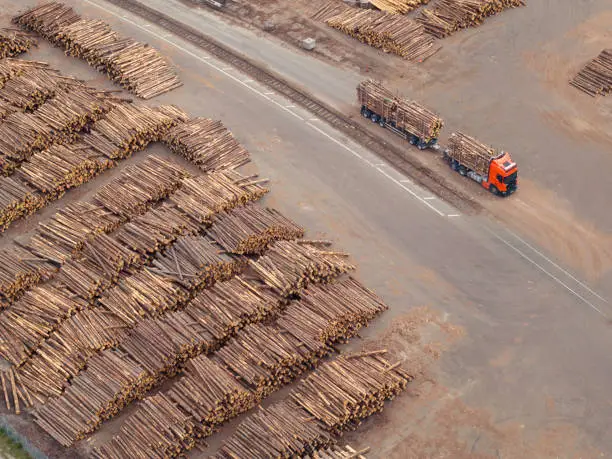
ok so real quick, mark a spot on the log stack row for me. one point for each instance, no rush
(336, 396)
(252, 228)
(14, 394)
(14, 42)
(289, 267)
(448, 16)
(134, 65)
(595, 78)
(208, 144)
(393, 33)
(398, 6)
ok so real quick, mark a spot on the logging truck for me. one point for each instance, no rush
(494, 170)
(406, 118)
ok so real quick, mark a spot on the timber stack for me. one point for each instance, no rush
(281, 430)
(14, 42)
(393, 33)
(134, 65)
(343, 392)
(595, 78)
(329, 10)
(398, 6)
(289, 267)
(16, 395)
(341, 452)
(208, 144)
(157, 429)
(446, 17)
(252, 228)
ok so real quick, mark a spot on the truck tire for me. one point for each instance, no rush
(367, 113)
(375, 118)
(381, 122)
(462, 170)
(493, 189)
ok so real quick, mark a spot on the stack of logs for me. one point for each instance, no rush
(13, 42)
(596, 77)
(397, 6)
(335, 397)
(252, 228)
(134, 65)
(19, 270)
(393, 33)
(208, 144)
(448, 16)
(288, 267)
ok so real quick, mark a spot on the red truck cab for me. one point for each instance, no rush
(503, 175)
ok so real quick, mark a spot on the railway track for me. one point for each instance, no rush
(352, 129)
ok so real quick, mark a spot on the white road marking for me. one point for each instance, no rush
(265, 96)
(453, 215)
(429, 198)
(247, 81)
(313, 119)
(544, 270)
(582, 284)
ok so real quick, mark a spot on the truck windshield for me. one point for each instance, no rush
(511, 178)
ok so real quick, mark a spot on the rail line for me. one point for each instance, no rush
(377, 144)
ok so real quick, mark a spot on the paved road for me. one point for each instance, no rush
(535, 336)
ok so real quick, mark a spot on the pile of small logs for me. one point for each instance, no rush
(329, 10)
(139, 186)
(331, 313)
(202, 197)
(31, 89)
(99, 392)
(228, 307)
(471, 151)
(251, 229)
(265, 357)
(129, 128)
(16, 395)
(344, 391)
(19, 270)
(32, 318)
(157, 429)
(61, 167)
(288, 267)
(340, 452)
(10, 68)
(136, 66)
(17, 200)
(97, 267)
(64, 354)
(282, 430)
(596, 77)
(448, 16)
(208, 144)
(393, 33)
(13, 42)
(196, 262)
(405, 114)
(398, 6)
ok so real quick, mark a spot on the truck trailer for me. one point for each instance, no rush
(494, 170)
(406, 118)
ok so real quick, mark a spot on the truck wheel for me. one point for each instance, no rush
(367, 113)
(493, 189)
(382, 122)
(375, 118)
(462, 170)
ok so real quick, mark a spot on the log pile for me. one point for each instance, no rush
(265, 357)
(139, 186)
(282, 430)
(208, 144)
(19, 270)
(32, 88)
(393, 33)
(329, 10)
(340, 452)
(398, 6)
(97, 394)
(596, 77)
(134, 65)
(32, 319)
(448, 16)
(14, 42)
(343, 392)
(251, 229)
(331, 313)
(57, 169)
(17, 200)
(64, 354)
(202, 197)
(289, 267)
(402, 113)
(157, 429)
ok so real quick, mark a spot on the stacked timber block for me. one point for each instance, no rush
(595, 78)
